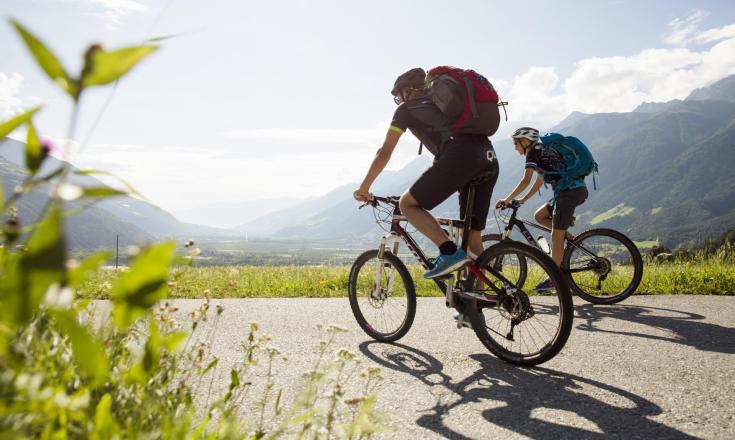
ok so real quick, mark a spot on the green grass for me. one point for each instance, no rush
(706, 277)
(646, 244)
(618, 211)
(710, 278)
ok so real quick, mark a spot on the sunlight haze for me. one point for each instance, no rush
(253, 100)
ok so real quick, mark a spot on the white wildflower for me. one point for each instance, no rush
(69, 191)
(58, 297)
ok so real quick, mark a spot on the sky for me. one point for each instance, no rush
(253, 100)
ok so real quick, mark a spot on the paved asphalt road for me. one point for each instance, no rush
(651, 367)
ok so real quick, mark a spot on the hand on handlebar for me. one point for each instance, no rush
(362, 195)
(505, 203)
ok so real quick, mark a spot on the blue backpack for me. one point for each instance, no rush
(577, 157)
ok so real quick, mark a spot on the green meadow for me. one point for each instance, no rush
(710, 277)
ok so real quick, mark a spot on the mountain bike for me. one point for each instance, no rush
(513, 324)
(603, 266)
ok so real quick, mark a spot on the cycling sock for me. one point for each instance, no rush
(448, 248)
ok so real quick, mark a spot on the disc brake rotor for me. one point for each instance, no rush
(377, 297)
(515, 306)
(603, 266)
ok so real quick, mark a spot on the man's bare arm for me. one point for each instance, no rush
(379, 162)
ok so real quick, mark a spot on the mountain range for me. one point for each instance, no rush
(665, 175)
(133, 220)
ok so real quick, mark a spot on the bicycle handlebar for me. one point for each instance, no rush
(391, 200)
(374, 200)
(513, 204)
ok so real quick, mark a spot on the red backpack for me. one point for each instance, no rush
(466, 97)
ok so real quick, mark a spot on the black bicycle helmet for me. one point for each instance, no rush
(413, 78)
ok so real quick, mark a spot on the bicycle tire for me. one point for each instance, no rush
(354, 290)
(491, 239)
(635, 259)
(558, 334)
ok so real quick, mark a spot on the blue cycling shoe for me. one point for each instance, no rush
(545, 286)
(444, 264)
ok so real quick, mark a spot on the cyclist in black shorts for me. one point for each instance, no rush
(458, 159)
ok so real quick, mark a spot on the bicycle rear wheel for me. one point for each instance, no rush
(522, 328)
(382, 296)
(604, 266)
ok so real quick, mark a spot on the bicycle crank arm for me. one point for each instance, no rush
(490, 299)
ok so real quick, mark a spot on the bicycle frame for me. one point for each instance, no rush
(398, 232)
(520, 223)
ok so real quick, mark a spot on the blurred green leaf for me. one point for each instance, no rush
(33, 150)
(107, 67)
(13, 123)
(172, 341)
(105, 425)
(102, 191)
(138, 289)
(211, 365)
(365, 423)
(41, 264)
(88, 352)
(128, 186)
(91, 264)
(165, 37)
(234, 383)
(10, 289)
(47, 60)
(152, 354)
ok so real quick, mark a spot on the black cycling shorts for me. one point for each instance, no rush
(567, 201)
(462, 160)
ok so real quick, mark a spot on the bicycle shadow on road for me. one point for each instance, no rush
(524, 394)
(689, 328)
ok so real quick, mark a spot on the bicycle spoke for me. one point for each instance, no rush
(524, 325)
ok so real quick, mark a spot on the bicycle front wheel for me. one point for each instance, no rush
(382, 296)
(604, 266)
(521, 327)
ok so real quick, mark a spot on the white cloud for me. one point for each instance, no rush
(540, 98)
(179, 177)
(10, 87)
(331, 136)
(682, 29)
(533, 99)
(716, 34)
(113, 12)
(621, 83)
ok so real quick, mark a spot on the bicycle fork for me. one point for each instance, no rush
(380, 264)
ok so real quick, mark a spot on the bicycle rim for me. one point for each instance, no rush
(382, 296)
(605, 266)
